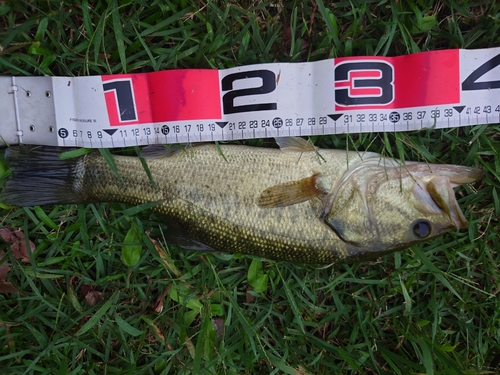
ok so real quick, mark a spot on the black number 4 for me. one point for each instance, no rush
(470, 82)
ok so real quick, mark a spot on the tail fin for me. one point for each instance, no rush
(40, 177)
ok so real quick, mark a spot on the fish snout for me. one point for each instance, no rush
(435, 195)
(441, 191)
(441, 187)
(457, 174)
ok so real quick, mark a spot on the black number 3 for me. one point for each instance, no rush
(360, 78)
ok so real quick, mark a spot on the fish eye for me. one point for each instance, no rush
(421, 228)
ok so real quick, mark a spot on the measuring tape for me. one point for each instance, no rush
(441, 89)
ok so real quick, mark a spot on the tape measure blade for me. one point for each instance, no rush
(8, 127)
(436, 89)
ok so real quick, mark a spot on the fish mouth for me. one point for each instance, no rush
(434, 191)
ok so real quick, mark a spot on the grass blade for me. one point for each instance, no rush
(94, 319)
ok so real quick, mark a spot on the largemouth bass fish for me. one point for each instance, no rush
(297, 203)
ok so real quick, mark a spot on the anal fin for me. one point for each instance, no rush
(180, 240)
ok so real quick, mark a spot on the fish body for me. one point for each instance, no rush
(295, 203)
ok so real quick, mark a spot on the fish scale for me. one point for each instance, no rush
(219, 209)
(321, 206)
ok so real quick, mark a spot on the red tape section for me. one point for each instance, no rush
(357, 83)
(422, 79)
(171, 95)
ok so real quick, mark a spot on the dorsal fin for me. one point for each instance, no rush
(295, 144)
(160, 151)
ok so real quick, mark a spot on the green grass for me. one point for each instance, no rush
(432, 309)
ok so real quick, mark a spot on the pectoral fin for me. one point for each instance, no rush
(291, 193)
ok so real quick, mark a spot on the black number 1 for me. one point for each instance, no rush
(268, 85)
(124, 98)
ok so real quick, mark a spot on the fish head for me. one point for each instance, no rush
(382, 206)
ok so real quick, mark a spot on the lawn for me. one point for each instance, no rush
(74, 305)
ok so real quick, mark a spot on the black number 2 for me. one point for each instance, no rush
(470, 82)
(268, 85)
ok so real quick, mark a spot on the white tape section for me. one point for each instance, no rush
(442, 89)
